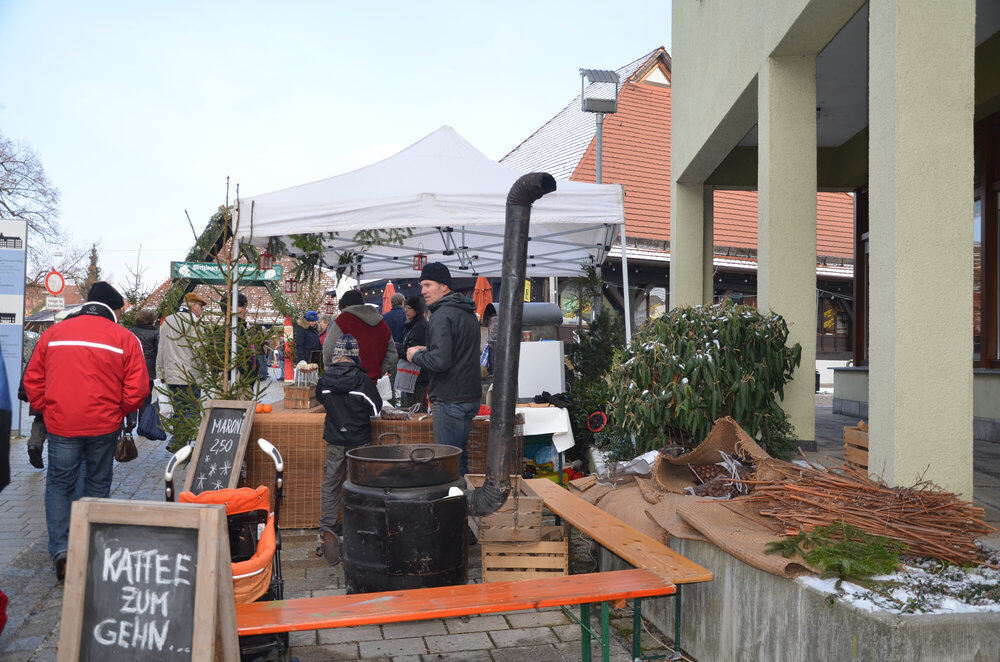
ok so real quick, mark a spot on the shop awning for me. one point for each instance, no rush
(452, 198)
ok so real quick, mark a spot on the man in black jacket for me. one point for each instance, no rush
(351, 400)
(451, 358)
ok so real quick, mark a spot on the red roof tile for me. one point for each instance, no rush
(637, 155)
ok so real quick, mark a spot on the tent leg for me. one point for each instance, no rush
(626, 297)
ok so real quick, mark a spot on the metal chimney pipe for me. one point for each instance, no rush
(528, 188)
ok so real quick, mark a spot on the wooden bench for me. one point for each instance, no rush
(464, 600)
(624, 541)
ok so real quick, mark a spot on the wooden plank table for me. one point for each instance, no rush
(464, 600)
(624, 541)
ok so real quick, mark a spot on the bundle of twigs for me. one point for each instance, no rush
(929, 521)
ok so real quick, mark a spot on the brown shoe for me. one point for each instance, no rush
(59, 562)
(331, 548)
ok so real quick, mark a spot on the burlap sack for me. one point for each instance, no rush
(673, 474)
(651, 492)
(665, 515)
(626, 503)
(735, 527)
(578, 485)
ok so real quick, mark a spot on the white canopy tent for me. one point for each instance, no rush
(452, 198)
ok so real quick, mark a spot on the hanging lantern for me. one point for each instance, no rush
(329, 307)
(266, 261)
(419, 260)
(291, 285)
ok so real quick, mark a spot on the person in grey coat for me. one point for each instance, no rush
(175, 356)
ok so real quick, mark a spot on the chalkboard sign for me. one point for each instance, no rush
(147, 580)
(218, 451)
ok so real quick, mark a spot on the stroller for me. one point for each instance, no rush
(254, 545)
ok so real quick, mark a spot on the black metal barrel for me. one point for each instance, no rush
(401, 529)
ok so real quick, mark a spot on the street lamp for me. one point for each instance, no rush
(603, 100)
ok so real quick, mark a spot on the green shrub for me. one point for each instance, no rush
(693, 365)
(591, 356)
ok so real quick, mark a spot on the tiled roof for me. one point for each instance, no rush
(651, 255)
(636, 154)
(735, 218)
(558, 146)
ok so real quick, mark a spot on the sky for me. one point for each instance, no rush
(139, 111)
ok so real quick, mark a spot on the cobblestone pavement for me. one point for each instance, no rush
(32, 631)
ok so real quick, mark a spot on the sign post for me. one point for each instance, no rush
(148, 580)
(220, 446)
(55, 283)
(13, 263)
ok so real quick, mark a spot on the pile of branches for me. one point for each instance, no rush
(927, 520)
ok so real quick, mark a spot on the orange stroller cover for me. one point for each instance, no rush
(252, 577)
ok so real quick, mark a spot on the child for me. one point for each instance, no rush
(350, 399)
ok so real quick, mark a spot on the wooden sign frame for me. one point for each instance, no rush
(214, 627)
(234, 477)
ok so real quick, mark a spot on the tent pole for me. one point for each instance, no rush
(626, 298)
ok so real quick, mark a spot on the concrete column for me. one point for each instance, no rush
(708, 245)
(786, 233)
(920, 151)
(687, 240)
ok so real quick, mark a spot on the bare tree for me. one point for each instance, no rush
(26, 193)
(70, 261)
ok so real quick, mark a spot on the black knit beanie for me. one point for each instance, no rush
(351, 298)
(437, 272)
(105, 293)
(418, 304)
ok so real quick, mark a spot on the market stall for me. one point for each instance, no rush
(439, 200)
(448, 198)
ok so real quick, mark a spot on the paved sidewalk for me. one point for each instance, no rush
(32, 631)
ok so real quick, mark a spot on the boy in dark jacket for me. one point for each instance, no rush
(350, 399)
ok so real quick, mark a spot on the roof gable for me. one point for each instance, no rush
(559, 144)
(636, 154)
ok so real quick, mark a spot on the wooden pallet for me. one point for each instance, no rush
(510, 561)
(519, 519)
(856, 447)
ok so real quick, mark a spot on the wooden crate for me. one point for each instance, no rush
(519, 519)
(300, 397)
(549, 557)
(856, 447)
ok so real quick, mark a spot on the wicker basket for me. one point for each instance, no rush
(549, 557)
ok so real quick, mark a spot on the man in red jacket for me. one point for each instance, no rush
(85, 375)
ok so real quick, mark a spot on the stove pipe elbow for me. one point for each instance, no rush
(525, 191)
